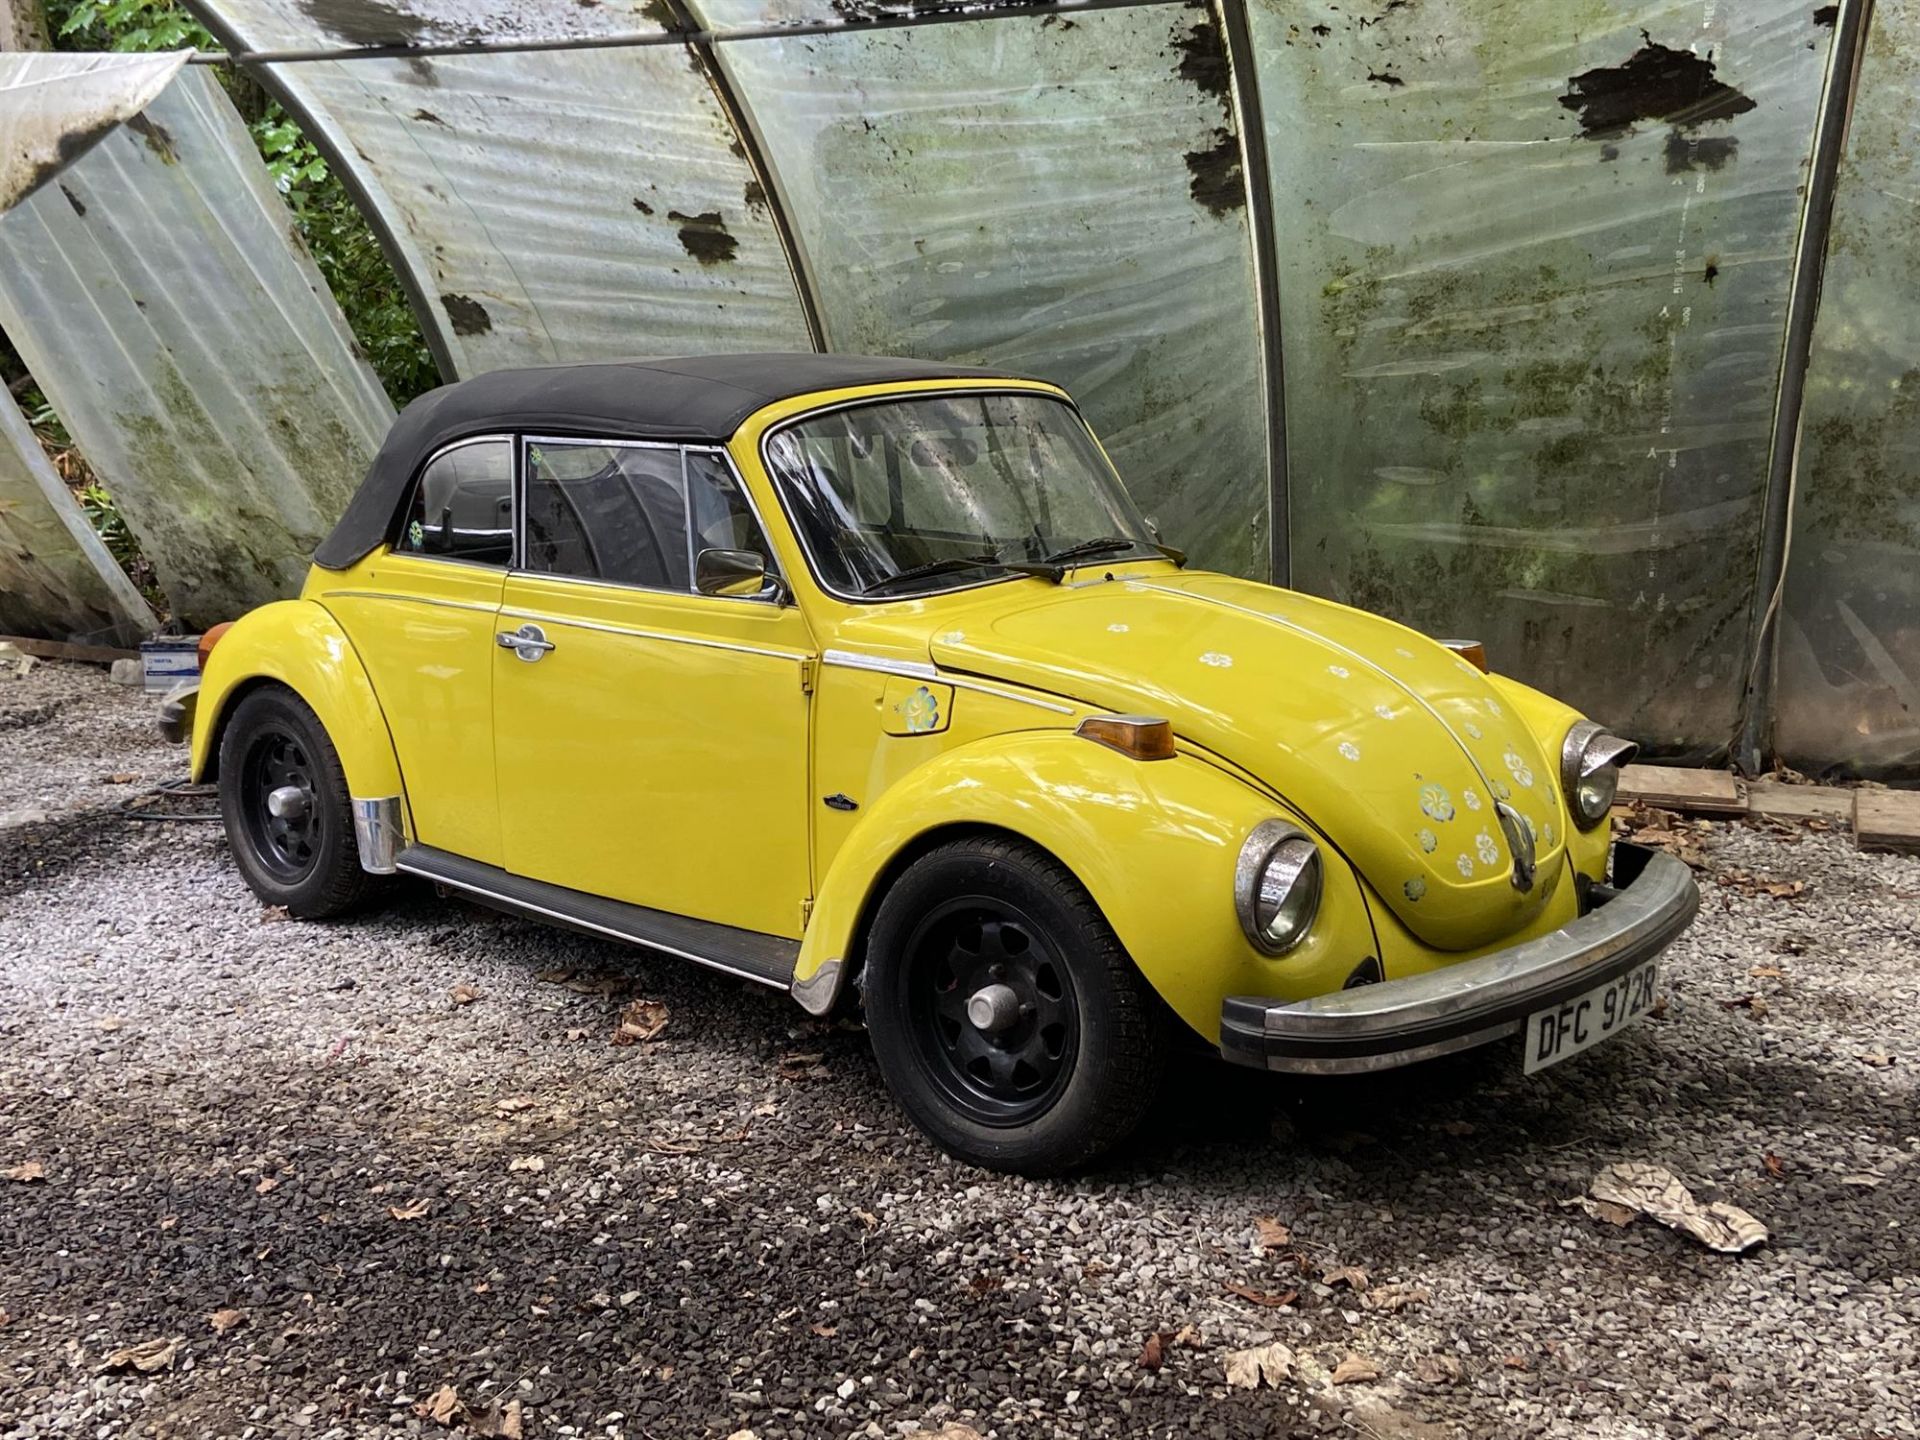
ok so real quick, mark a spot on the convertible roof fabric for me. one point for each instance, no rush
(705, 398)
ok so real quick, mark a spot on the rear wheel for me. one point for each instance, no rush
(1008, 1021)
(289, 818)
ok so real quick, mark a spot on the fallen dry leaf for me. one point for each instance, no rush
(271, 913)
(122, 777)
(27, 1172)
(825, 1332)
(1752, 1004)
(268, 1184)
(1517, 1362)
(224, 1320)
(1879, 1059)
(107, 1024)
(1153, 1354)
(953, 1431)
(1270, 1234)
(530, 1164)
(1653, 1191)
(513, 1105)
(464, 994)
(641, 1020)
(1773, 1164)
(1860, 1182)
(413, 1211)
(146, 1357)
(1269, 1364)
(497, 1423)
(1261, 1297)
(442, 1407)
(1351, 1276)
(867, 1218)
(1395, 1298)
(1355, 1370)
(1436, 1369)
(1767, 972)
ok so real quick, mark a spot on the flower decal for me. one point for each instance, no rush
(1472, 729)
(1464, 864)
(921, 711)
(1502, 790)
(1349, 750)
(1470, 798)
(1117, 628)
(1339, 672)
(1217, 660)
(1546, 833)
(1414, 889)
(1485, 848)
(1428, 840)
(1493, 709)
(1518, 766)
(1403, 652)
(1385, 712)
(1435, 803)
(954, 637)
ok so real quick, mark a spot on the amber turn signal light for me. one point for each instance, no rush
(1471, 651)
(208, 641)
(1144, 737)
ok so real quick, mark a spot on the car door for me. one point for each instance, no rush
(421, 617)
(650, 741)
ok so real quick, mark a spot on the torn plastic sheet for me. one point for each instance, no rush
(161, 297)
(1631, 1188)
(54, 108)
(1532, 290)
(57, 579)
(1064, 200)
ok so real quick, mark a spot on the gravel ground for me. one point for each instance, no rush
(399, 1154)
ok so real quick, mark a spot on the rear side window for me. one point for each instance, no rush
(462, 506)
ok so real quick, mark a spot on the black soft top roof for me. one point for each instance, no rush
(705, 398)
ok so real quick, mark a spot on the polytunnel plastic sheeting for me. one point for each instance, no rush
(1848, 691)
(53, 108)
(57, 579)
(160, 296)
(1534, 276)
(1061, 199)
(550, 205)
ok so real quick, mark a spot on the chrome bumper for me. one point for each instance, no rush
(1397, 1022)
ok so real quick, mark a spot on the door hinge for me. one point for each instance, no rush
(806, 913)
(807, 664)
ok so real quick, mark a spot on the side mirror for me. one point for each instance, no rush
(741, 573)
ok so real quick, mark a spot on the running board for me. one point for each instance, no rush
(748, 954)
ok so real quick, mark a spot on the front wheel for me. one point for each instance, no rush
(1009, 1022)
(284, 798)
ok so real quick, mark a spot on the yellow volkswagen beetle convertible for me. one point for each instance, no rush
(866, 679)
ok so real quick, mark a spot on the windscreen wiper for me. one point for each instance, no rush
(1106, 545)
(939, 567)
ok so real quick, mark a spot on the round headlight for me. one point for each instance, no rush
(1590, 763)
(1276, 886)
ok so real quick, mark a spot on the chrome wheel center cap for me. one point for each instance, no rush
(287, 802)
(992, 1008)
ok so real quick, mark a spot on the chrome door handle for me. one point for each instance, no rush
(529, 642)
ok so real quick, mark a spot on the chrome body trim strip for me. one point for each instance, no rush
(959, 684)
(378, 833)
(922, 670)
(483, 608)
(1468, 1003)
(514, 612)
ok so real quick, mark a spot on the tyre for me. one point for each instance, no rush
(289, 818)
(1008, 1021)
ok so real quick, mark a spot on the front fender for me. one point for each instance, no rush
(299, 645)
(1550, 719)
(1154, 842)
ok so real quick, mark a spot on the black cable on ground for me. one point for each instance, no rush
(183, 789)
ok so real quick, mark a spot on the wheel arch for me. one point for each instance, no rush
(1153, 843)
(298, 646)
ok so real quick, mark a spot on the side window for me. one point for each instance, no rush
(722, 519)
(462, 505)
(607, 512)
(630, 514)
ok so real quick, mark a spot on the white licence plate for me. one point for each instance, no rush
(1586, 1019)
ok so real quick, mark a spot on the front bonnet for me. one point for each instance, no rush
(1390, 745)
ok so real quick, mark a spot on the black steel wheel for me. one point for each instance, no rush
(288, 815)
(1008, 1021)
(994, 1013)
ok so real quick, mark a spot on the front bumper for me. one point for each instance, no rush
(1376, 1027)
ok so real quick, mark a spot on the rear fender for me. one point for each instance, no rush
(296, 643)
(1155, 844)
